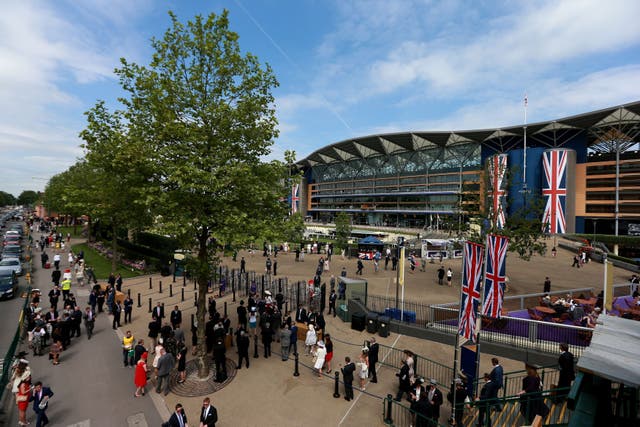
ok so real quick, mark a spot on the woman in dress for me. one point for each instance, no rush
(140, 377)
(321, 353)
(253, 322)
(22, 400)
(531, 400)
(310, 340)
(54, 352)
(328, 345)
(182, 361)
(364, 367)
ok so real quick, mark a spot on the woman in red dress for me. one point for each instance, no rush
(140, 378)
(22, 400)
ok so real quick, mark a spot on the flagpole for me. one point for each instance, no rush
(456, 349)
(401, 281)
(479, 320)
(524, 169)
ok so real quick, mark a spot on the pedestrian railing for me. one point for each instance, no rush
(422, 366)
(399, 414)
(512, 381)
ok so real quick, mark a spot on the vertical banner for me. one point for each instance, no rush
(295, 198)
(554, 190)
(495, 275)
(497, 166)
(470, 290)
(608, 285)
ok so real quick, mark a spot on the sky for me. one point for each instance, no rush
(345, 68)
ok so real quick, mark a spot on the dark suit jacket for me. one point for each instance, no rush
(373, 353)
(158, 313)
(37, 398)
(347, 372)
(496, 376)
(176, 317)
(567, 373)
(437, 402)
(212, 417)
(174, 422)
(301, 315)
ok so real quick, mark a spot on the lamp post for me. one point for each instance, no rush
(594, 231)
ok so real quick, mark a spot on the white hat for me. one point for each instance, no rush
(320, 344)
(267, 293)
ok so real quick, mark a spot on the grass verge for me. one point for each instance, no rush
(101, 265)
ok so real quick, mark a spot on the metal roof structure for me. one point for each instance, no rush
(619, 123)
(613, 352)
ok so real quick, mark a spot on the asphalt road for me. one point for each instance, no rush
(92, 387)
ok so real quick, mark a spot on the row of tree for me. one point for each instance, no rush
(184, 152)
(26, 198)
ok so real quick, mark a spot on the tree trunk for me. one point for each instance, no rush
(114, 247)
(203, 287)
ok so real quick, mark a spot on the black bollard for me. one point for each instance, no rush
(195, 299)
(195, 285)
(150, 284)
(174, 274)
(139, 301)
(170, 290)
(182, 297)
(296, 373)
(184, 279)
(231, 335)
(255, 347)
(279, 285)
(129, 293)
(160, 286)
(388, 419)
(193, 319)
(336, 393)
(150, 310)
(225, 308)
(286, 306)
(233, 289)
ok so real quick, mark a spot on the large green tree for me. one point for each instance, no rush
(27, 198)
(343, 230)
(120, 174)
(7, 199)
(206, 112)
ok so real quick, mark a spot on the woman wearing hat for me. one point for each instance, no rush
(140, 376)
(320, 354)
(364, 367)
(310, 339)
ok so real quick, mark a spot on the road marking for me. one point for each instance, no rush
(360, 394)
(137, 420)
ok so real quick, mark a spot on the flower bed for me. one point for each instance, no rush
(108, 253)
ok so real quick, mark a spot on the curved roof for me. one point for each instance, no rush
(624, 118)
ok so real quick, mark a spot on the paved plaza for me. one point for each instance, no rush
(94, 389)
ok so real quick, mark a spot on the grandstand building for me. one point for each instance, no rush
(585, 171)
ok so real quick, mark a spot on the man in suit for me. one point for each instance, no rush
(116, 311)
(434, 396)
(496, 373)
(566, 362)
(176, 317)
(89, 321)
(158, 313)
(209, 414)
(301, 315)
(374, 350)
(165, 365)
(347, 377)
(489, 394)
(178, 418)
(40, 395)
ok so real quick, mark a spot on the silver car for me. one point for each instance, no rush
(11, 264)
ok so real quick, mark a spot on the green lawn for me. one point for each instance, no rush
(65, 230)
(101, 265)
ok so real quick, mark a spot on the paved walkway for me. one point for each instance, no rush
(93, 388)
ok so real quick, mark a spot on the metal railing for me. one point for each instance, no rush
(521, 409)
(512, 381)
(422, 366)
(398, 414)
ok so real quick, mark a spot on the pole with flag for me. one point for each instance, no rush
(494, 284)
(473, 262)
(524, 166)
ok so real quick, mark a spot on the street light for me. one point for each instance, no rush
(594, 231)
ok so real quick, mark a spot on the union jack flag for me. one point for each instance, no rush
(555, 190)
(471, 279)
(495, 275)
(295, 199)
(497, 169)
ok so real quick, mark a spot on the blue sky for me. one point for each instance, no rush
(346, 68)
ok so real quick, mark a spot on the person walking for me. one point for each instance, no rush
(320, 354)
(128, 309)
(449, 276)
(547, 285)
(40, 399)
(440, 275)
(178, 418)
(374, 350)
(116, 310)
(497, 373)
(364, 367)
(347, 376)
(293, 345)
(166, 363)
(127, 347)
(243, 348)
(285, 341)
(566, 364)
(360, 267)
(310, 339)
(488, 397)
(182, 361)
(332, 302)
(140, 375)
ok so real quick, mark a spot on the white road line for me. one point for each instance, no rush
(360, 394)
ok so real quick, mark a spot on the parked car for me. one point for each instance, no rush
(11, 240)
(12, 251)
(8, 284)
(11, 264)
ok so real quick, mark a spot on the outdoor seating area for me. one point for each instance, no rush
(627, 307)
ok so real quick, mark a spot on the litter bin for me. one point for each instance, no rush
(343, 313)
(358, 321)
(372, 323)
(383, 326)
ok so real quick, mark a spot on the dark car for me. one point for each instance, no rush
(12, 251)
(8, 284)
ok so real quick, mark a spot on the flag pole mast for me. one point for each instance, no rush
(524, 168)
(456, 349)
(479, 320)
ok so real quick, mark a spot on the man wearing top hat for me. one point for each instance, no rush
(434, 396)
